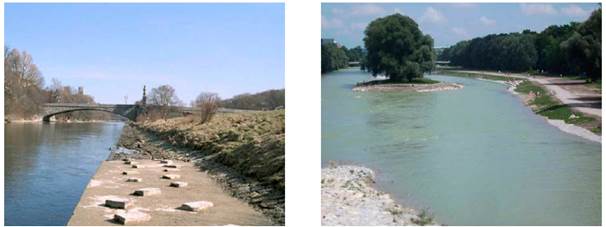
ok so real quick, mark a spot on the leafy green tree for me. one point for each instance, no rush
(333, 57)
(575, 49)
(584, 48)
(355, 54)
(397, 48)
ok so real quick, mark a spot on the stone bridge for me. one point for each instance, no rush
(127, 111)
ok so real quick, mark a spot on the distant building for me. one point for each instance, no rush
(80, 90)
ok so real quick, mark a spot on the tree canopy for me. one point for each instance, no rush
(574, 49)
(333, 57)
(397, 48)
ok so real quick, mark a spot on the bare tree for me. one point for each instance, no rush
(208, 104)
(165, 98)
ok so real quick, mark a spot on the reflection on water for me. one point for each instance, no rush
(474, 156)
(47, 167)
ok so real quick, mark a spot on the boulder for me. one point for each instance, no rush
(134, 179)
(131, 216)
(147, 191)
(196, 206)
(137, 166)
(129, 172)
(171, 176)
(171, 170)
(171, 166)
(178, 184)
(118, 203)
(129, 162)
(168, 162)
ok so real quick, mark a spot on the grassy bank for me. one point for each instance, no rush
(251, 143)
(546, 105)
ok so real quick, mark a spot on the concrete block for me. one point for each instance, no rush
(171, 166)
(118, 203)
(196, 206)
(147, 191)
(129, 172)
(134, 179)
(171, 176)
(131, 216)
(178, 184)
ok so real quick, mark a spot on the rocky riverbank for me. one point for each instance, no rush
(348, 198)
(243, 152)
(387, 87)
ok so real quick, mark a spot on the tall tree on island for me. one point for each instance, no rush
(397, 48)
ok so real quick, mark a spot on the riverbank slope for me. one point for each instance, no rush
(243, 153)
(348, 198)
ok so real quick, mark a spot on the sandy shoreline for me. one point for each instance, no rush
(349, 198)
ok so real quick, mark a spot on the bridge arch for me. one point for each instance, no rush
(46, 117)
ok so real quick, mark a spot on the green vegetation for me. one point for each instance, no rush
(424, 218)
(546, 105)
(333, 57)
(266, 100)
(397, 48)
(252, 143)
(573, 49)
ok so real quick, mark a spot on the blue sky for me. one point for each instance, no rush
(449, 23)
(114, 49)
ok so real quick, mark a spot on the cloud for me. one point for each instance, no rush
(575, 11)
(358, 26)
(433, 15)
(488, 22)
(538, 9)
(367, 10)
(332, 23)
(464, 5)
(460, 31)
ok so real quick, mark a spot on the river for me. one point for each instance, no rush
(47, 167)
(474, 156)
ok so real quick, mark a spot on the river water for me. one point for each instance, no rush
(475, 156)
(47, 167)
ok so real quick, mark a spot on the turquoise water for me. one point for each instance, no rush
(475, 156)
(47, 167)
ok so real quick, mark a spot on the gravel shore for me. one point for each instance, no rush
(348, 198)
(141, 142)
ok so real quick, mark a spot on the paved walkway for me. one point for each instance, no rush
(163, 208)
(570, 92)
